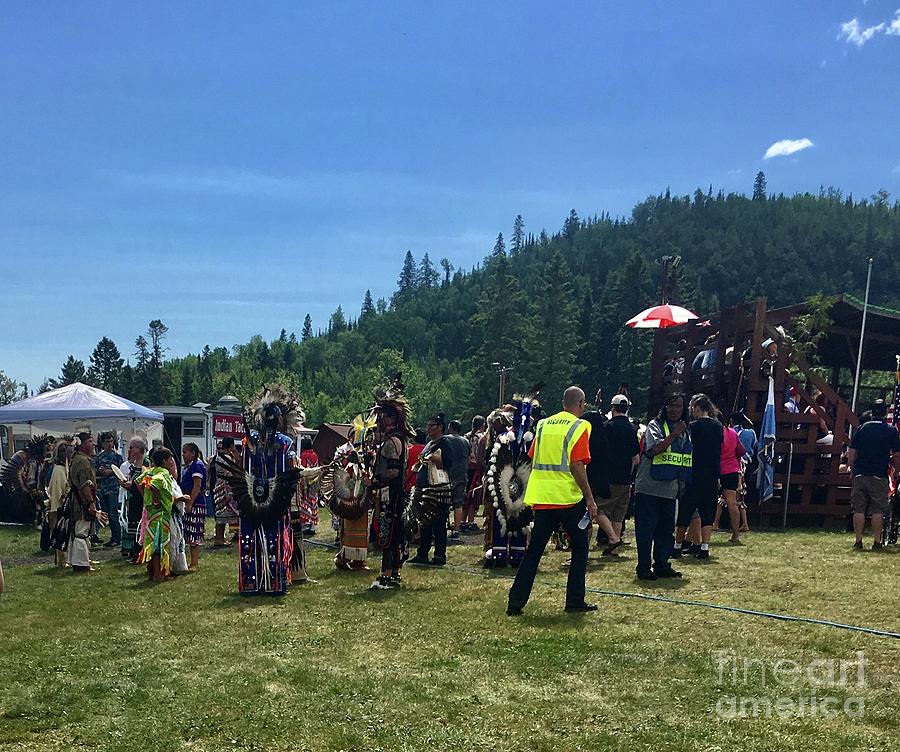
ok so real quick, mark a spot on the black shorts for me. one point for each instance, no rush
(729, 481)
(702, 496)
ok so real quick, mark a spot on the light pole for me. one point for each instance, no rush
(667, 262)
(502, 371)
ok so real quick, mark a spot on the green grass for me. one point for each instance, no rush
(109, 662)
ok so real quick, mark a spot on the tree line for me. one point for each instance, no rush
(551, 307)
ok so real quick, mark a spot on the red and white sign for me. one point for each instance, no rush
(228, 425)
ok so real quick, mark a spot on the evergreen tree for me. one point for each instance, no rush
(105, 370)
(759, 187)
(448, 270)
(337, 323)
(381, 306)
(307, 332)
(499, 247)
(502, 325)
(553, 361)
(571, 226)
(72, 371)
(283, 336)
(406, 282)
(518, 235)
(368, 307)
(142, 379)
(427, 277)
(292, 339)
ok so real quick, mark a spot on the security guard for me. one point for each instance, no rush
(559, 492)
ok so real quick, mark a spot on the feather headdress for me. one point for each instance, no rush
(392, 398)
(272, 402)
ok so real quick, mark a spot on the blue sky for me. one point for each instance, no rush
(228, 167)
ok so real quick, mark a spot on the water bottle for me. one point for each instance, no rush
(585, 521)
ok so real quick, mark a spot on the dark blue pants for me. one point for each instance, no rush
(546, 522)
(654, 526)
(435, 531)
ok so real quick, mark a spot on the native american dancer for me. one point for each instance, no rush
(506, 518)
(388, 532)
(263, 485)
(22, 476)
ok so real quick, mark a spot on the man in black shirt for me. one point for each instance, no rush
(598, 475)
(874, 452)
(702, 490)
(623, 456)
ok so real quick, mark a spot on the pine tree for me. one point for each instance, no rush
(571, 226)
(759, 187)
(292, 339)
(105, 370)
(283, 336)
(518, 235)
(368, 307)
(142, 377)
(502, 325)
(499, 247)
(307, 332)
(427, 277)
(337, 323)
(556, 324)
(72, 370)
(448, 270)
(406, 282)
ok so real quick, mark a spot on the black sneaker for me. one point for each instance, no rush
(858, 545)
(676, 552)
(418, 561)
(877, 545)
(581, 608)
(382, 583)
(513, 611)
(453, 538)
(702, 554)
(667, 572)
(647, 576)
(396, 580)
(438, 562)
(95, 540)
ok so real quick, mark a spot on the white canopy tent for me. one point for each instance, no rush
(79, 407)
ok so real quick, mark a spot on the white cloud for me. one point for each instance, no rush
(853, 33)
(893, 29)
(787, 146)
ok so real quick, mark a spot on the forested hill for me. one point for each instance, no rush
(550, 306)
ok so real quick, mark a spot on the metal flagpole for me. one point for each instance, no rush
(862, 334)
(787, 486)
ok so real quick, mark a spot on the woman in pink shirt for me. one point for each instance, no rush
(729, 474)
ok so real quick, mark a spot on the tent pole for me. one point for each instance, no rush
(862, 334)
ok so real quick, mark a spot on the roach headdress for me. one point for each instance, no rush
(391, 400)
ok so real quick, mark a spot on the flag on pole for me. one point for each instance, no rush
(765, 477)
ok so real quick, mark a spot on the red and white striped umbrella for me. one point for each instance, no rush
(660, 317)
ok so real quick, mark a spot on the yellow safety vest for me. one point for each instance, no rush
(551, 480)
(672, 464)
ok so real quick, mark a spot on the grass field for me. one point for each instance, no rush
(107, 661)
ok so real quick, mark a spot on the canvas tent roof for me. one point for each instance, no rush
(59, 409)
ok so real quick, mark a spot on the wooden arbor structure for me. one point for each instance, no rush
(812, 439)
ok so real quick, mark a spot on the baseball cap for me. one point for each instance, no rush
(620, 400)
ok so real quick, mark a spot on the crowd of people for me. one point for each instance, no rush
(410, 494)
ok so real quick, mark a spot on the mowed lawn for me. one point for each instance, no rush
(110, 662)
